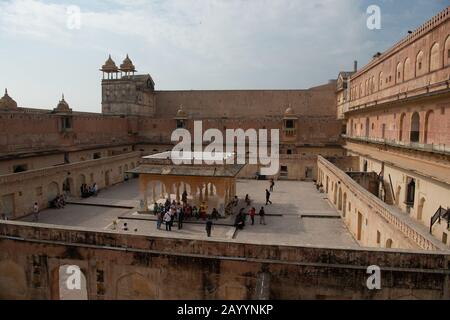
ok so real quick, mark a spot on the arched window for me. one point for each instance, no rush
(420, 68)
(401, 127)
(367, 127)
(447, 51)
(407, 69)
(389, 243)
(380, 81)
(415, 128)
(435, 57)
(429, 136)
(399, 74)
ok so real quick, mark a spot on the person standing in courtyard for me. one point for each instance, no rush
(159, 219)
(272, 184)
(252, 214)
(209, 225)
(268, 197)
(36, 212)
(167, 220)
(180, 218)
(262, 216)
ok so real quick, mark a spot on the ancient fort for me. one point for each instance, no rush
(363, 180)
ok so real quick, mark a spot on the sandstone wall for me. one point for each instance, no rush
(124, 266)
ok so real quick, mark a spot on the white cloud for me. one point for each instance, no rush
(195, 44)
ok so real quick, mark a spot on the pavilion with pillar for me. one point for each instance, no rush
(160, 178)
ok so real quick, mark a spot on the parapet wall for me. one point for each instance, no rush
(141, 267)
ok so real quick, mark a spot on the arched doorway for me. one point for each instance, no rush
(344, 211)
(68, 187)
(389, 243)
(411, 192)
(367, 127)
(340, 199)
(335, 194)
(415, 128)
(420, 209)
(365, 166)
(81, 180)
(428, 138)
(400, 127)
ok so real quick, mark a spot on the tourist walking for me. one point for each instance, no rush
(209, 225)
(268, 197)
(159, 219)
(167, 220)
(180, 218)
(36, 212)
(252, 214)
(272, 184)
(262, 216)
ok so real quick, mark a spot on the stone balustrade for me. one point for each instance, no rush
(421, 238)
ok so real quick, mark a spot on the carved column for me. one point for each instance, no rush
(178, 192)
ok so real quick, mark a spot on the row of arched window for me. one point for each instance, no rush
(438, 57)
(417, 128)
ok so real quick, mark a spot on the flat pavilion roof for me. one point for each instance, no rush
(189, 155)
(153, 165)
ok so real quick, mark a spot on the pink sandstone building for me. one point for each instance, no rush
(376, 141)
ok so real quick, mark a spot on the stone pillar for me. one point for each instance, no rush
(178, 192)
(201, 192)
(227, 194)
(161, 185)
(211, 190)
(143, 181)
(153, 192)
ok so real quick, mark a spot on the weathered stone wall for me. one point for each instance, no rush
(25, 131)
(124, 266)
(19, 191)
(317, 101)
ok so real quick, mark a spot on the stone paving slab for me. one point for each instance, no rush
(299, 216)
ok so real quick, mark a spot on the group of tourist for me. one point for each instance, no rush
(241, 217)
(59, 202)
(88, 191)
(168, 212)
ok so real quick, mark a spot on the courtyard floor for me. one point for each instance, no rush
(299, 216)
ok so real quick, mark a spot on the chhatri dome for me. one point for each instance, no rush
(127, 65)
(181, 114)
(289, 113)
(63, 106)
(109, 66)
(6, 102)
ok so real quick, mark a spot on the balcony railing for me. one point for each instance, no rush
(439, 148)
(441, 213)
(290, 132)
(422, 239)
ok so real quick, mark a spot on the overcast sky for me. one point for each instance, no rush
(191, 44)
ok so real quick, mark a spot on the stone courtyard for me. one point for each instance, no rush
(299, 215)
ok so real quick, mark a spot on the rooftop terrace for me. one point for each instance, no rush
(299, 216)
